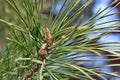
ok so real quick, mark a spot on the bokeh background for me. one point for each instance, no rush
(6, 13)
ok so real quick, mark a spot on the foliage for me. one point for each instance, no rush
(28, 35)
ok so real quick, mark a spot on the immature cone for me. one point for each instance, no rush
(43, 51)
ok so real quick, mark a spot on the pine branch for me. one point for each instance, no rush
(42, 54)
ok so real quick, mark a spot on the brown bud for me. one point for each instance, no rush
(43, 51)
(28, 75)
(36, 67)
(49, 40)
(48, 36)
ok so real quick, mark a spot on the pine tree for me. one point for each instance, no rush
(43, 48)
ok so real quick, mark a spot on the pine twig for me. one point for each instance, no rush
(42, 53)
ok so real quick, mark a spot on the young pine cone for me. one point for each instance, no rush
(43, 51)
